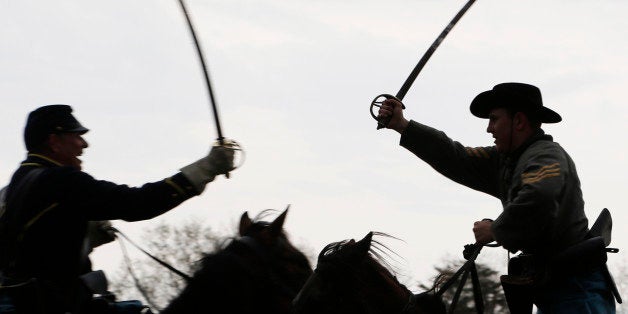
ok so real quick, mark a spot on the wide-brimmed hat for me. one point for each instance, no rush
(51, 119)
(517, 96)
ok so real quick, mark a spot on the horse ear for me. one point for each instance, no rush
(276, 227)
(364, 245)
(245, 223)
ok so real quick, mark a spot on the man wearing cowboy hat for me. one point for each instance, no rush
(536, 181)
(50, 202)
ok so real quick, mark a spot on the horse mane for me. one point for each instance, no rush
(378, 251)
(361, 275)
(382, 254)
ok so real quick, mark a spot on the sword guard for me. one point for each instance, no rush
(377, 102)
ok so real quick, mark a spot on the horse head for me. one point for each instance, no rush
(257, 271)
(265, 232)
(269, 240)
(353, 277)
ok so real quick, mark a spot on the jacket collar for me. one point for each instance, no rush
(39, 160)
(539, 135)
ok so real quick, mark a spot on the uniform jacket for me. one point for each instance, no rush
(43, 235)
(543, 209)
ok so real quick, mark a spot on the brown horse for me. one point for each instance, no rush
(351, 278)
(258, 272)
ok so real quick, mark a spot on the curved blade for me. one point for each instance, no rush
(204, 66)
(417, 69)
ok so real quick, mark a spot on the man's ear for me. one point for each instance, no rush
(520, 121)
(52, 142)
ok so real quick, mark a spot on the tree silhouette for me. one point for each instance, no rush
(180, 246)
(492, 293)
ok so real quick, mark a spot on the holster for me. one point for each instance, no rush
(519, 293)
(519, 284)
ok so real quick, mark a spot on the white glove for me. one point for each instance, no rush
(203, 171)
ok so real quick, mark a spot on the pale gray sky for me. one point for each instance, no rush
(294, 80)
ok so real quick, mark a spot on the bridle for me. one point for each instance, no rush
(470, 253)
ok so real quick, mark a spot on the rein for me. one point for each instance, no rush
(183, 275)
(470, 253)
(136, 280)
(249, 242)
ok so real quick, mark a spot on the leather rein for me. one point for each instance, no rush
(470, 253)
(249, 242)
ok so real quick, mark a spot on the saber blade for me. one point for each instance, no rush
(212, 101)
(199, 51)
(417, 69)
(377, 102)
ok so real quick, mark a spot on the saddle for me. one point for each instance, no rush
(591, 253)
(602, 228)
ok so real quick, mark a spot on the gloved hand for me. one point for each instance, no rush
(99, 233)
(219, 161)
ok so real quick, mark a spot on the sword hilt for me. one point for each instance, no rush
(377, 102)
(382, 123)
(235, 146)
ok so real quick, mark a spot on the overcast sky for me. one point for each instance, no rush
(293, 82)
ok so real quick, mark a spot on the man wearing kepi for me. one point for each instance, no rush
(537, 183)
(50, 201)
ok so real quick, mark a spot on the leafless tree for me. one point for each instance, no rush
(181, 246)
(492, 292)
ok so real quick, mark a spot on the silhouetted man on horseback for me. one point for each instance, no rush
(50, 201)
(536, 181)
